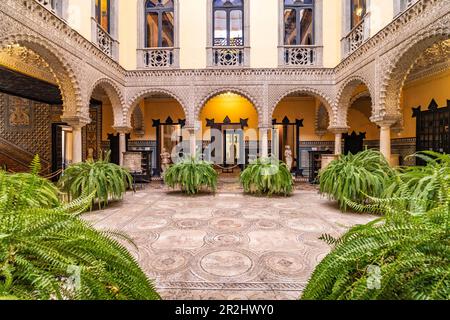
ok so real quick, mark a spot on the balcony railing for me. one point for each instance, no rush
(50, 5)
(104, 41)
(228, 56)
(301, 56)
(357, 36)
(158, 57)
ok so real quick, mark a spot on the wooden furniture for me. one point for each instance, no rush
(432, 128)
(315, 164)
(140, 165)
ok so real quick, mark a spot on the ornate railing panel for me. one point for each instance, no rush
(356, 37)
(228, 56)
(158, 57)
(48, 4)
(301, 56)
(104, 41)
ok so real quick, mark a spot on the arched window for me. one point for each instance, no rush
(228, 22)
(103, 14)
(358, 11)
(298, 22)
(159, 23)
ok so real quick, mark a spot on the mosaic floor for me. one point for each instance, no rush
(229, 245)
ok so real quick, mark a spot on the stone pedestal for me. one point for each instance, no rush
(328, 158)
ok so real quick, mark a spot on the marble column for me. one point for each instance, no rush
(385, 141)
(122, 141)
(264, 142)
(77, 144)
(338, 139)
(77, 124)
(192, 142)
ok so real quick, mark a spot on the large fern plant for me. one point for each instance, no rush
(107, 181)
(421, 183)
(34, 190)
(54, 254)
(267, 176)
(356, 176)
(191, 175)
(403, 255)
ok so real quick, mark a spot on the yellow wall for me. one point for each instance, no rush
(381, 13)
(301, 108)
(156, 108)
(192, 34)
(359, 122)
(332, 27)
(79, 13)
(264, 33)
(419, 93)
(232, 105)
(127, 33)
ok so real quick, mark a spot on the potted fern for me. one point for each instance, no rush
(354, 177)
(35, 191)
(191, 175)
(106, 180)
(267, 176)
(51, 253)
(403, 255)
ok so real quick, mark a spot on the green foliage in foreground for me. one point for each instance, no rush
(403, 255)
(107, 181)
(356, 176)
(421, 183)
(31, 189)
(191, 175)
(267, 176)
(54, 254)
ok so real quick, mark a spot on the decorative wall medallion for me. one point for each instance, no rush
(19, 113)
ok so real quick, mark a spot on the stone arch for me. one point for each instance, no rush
(324, 99)
(115, 96)
(344, 98)
(239, 91)
(62, 71)
(133, 102)
(403, 61)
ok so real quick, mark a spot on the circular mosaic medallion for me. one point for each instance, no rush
(161, 212)
(149, 223)
(226, 263)
(285, 264)
(226, 212)
(267, 224)
(305, 224)
(228, 224)
(228, 205)
(189, 223)
(227, 239)
(170, 261)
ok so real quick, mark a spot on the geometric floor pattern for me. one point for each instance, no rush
(229, 245)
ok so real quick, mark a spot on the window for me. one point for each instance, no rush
(358, 11)
(298, 22)
(159, 23)
(228, 23)
(103, 14)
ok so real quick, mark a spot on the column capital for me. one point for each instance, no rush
(191, 129)
(386, 120)
(338, 130)
(123, 129)
(76, 122)
(266, 128)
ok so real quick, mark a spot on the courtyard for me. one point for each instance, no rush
(228, 246)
